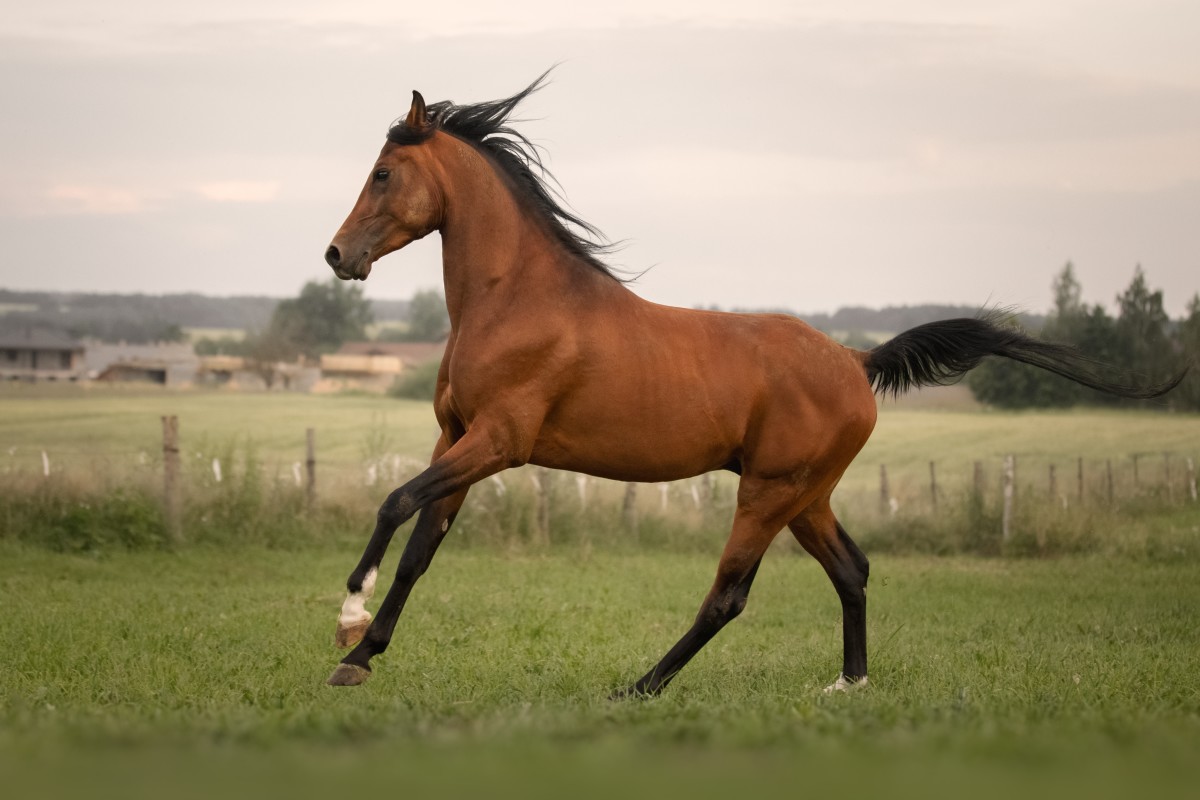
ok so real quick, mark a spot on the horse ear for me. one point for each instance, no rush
(417, 118)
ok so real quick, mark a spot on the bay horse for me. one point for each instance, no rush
(552, 360)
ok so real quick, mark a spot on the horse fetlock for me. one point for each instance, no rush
(349, 634)
(354, 619)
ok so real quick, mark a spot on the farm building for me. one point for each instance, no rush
(166, 363)
(410, 354)
(40, 355)
(374, 365)
(236, 372)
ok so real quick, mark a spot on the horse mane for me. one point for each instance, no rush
(486, 126)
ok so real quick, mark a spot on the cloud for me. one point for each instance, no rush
(98, 200)
(239, 191)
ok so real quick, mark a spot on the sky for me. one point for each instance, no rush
(757, 154)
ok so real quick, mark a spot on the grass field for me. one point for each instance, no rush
(204, 670)
(199, 671)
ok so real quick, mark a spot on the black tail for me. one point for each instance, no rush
(941, 352)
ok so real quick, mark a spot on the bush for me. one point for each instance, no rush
(417, 383)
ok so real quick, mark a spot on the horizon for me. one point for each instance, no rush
(711, 306)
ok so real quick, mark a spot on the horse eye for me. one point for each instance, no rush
(381, 174)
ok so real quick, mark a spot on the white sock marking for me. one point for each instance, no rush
(354, 608)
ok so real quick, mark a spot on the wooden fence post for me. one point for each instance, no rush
(1108, 468)
(310, 468)
(1136, 481)
(581, 485)
(933, 485)
(1191, 470)
(885, 499)
(170, 427)
(706, 491)
(541, 478)
(1053, 485)
(1080, 478)
(1010, 477)
(629, 509)
(1167, 470)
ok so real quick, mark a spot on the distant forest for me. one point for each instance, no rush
(140, 318)
(1141, 344)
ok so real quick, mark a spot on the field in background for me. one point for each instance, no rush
(242, 463)
(216, 334)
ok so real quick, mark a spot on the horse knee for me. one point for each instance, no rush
(737, 606)
(396, 509)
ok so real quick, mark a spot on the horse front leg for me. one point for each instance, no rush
(360, 586)
(432, 526)
(439, 492)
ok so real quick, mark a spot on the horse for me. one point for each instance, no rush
(552, 360)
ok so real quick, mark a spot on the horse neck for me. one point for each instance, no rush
(494, 252)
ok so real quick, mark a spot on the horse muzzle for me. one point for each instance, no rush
(357, 268)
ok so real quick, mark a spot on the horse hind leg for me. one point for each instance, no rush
(725, 600)
(819, 532)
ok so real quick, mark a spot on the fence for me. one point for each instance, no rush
(1014, 482)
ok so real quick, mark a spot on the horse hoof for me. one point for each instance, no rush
(350, 635)
(348, 675)
(844, 685)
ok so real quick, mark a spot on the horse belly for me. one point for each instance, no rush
(633, 443)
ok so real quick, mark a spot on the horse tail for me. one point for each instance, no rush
(939, 353)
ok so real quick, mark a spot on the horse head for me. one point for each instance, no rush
(400, 203)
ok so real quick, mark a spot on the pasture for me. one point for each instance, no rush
(205, 669)
(201, 668)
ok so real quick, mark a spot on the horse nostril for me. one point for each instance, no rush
(332, 257)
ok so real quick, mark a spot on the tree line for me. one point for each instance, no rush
(143, 318)
(1140, 345)
(321, 319)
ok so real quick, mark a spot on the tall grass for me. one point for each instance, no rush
(105, 483)
(255, 504)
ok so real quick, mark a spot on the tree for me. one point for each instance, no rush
(427, 317)
(1188, 338)
(1067, 294)
(1008, 384)
(427, 320)
(318, 321)
(1144, 344)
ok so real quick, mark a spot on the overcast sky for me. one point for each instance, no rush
(753, 153)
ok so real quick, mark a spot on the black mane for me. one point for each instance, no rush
(485, 125)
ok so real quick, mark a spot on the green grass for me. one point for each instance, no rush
(209, 664)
